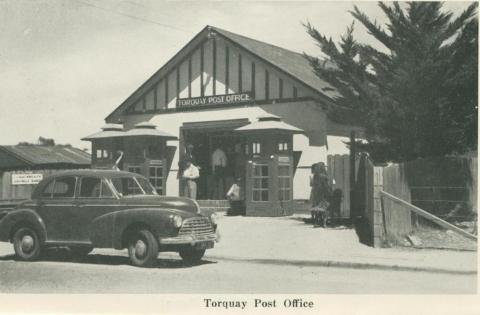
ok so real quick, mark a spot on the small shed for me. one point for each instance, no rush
(23, 166)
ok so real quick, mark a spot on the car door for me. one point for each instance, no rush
(95, 198)
(55, 207)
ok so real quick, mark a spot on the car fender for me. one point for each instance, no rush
(107, 231)
(22, 216)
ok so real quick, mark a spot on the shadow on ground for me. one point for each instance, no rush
(363, 231)
(63, 255)
(333, 223)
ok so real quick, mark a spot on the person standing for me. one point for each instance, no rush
(219, 164)
(321, 184)
(190, 175)
(182, 165)
(320, 193)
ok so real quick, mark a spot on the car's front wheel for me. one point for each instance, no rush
(143, 248)
(191, 255)
(26, 244)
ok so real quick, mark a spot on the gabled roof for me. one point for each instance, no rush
(43, 155)
(291, 63)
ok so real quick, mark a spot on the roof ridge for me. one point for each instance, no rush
(257, 40)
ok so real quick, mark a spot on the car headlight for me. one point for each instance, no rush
(213, 218)
(177, 221)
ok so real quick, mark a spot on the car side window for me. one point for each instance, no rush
(48, 190)
(106, 191)
(90, 187)
(64, 187)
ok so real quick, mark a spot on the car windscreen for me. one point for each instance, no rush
(146, 186)
(128, 186)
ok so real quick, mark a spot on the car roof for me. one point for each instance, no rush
(93, 172)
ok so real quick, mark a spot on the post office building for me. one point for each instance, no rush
(239, 109)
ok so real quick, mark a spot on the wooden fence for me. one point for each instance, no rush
(396, 218)
(338, 167)
(390, 221)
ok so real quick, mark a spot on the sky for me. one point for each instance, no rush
(65, 65)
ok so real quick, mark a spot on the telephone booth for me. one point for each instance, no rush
(269, 167)
(105, 146)
(145, 150)
(142, 150)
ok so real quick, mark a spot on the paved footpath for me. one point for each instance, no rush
(288, 240)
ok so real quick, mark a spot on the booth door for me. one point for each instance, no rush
(259, 188)
(283, 176)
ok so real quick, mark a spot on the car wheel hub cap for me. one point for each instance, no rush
(27, 243)
(140, 249)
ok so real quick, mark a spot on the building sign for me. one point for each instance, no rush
(227, 99)
(26, 178)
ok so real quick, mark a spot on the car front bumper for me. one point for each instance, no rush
(190, 239)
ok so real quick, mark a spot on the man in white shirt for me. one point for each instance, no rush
(190, 174)
(219, 158)
(219, 162)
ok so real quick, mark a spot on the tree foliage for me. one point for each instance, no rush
(417, 99)
(47, 142)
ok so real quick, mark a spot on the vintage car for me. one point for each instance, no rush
(86, 209)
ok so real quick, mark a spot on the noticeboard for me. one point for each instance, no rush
(26, 178)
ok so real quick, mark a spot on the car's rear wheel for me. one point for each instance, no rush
(143, 248)
(191, 255)
(26, 244)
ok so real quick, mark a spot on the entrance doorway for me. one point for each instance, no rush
(219, 152)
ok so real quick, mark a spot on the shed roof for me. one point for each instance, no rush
(46, 155)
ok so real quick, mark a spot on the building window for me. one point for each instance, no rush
(260, 182)
(282, 146)
(256, 148)
(102, 154)
(156, 178)
(284, 182)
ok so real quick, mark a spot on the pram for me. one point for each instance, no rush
(320, 214)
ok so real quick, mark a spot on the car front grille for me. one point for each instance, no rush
(196, 226)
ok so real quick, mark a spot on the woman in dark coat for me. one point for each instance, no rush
(320, 193)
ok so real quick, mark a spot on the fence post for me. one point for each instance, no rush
(384, 220)
(353, 209)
